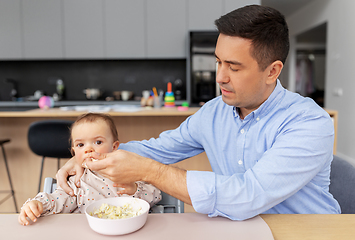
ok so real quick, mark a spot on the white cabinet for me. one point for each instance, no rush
(230, 5)
(105, 29)
(203, 13)
(83, 29)
(166, 28)
(125, 31)
(42, 29)
(10, 29)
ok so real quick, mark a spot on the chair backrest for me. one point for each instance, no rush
(50, 138)
(342, 184)
(50, 185)
(168, 204)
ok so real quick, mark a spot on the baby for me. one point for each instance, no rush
(91, 132)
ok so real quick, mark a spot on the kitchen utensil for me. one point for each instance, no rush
(118, 226)
(92, 93)
(126, 95)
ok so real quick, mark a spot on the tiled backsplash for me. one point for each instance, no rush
(108, 75)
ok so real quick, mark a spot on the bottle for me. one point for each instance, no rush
(60, 88)
(169, 97)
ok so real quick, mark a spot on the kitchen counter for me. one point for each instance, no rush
(121, 110)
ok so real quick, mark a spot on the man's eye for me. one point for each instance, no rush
(233, 69)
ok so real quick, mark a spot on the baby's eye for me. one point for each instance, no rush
(80, 145)
(98, 142)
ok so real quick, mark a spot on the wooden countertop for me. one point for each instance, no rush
(311, 226)
(57, 112)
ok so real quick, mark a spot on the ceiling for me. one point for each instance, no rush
(286, 7)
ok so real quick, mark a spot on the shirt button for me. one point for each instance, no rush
(242, 131)
(257, 119)
(240, 162)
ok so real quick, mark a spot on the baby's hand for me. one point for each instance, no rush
(129, 189)
(32, 210)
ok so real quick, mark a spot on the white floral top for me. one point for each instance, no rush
(93, 187)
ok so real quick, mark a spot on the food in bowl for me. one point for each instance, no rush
(107, 211)
(118, 226)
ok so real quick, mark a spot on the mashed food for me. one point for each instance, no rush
(107, 211)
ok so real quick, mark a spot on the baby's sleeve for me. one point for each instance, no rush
(57, 202)
(148, 193)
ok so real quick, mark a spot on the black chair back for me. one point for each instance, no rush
(50, 138)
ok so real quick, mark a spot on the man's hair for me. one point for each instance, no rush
(93, 117)
(264, 26)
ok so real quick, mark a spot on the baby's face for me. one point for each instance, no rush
(90, 137)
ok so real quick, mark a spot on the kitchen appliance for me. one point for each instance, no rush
(201, 67)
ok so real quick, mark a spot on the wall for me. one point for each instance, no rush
(108, 75)
(340, 18)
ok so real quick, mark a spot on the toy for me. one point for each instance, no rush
(169, 97)
(46, 102)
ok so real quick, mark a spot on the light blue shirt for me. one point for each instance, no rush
(276, 160)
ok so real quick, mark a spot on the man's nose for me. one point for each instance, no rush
(221, 75)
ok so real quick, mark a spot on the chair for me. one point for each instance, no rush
(11, 192)
(50, 138)
(168, 204)
(342, 184)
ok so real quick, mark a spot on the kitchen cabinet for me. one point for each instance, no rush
(42, 29)
(230, 5)
(203, 13)
(105, 29)
(125, 29)
(166, 28)
(10, 29)
(83, 29)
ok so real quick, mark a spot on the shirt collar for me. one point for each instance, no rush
(266, 106)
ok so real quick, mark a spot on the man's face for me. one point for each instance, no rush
(241, 81)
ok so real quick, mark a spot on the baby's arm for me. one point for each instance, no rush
(32, 210)
(46, 204)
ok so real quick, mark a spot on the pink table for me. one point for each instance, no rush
(158, 226)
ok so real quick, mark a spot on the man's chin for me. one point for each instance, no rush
(228, 101)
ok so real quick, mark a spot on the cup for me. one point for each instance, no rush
(125, 95)
(157, 102)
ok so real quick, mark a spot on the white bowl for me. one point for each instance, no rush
(118, 226)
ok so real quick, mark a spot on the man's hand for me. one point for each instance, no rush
(69, 169)
(123, 167)
(33, 210)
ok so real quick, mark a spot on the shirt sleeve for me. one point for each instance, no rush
(57, 202)
(171, 147)
(148, 193)
(301, 148)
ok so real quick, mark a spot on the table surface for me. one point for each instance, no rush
(192, 226)
(158, 226)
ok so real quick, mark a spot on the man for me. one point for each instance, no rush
(270, 150)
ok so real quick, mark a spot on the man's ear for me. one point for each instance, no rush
(274, 70)
(115, 145)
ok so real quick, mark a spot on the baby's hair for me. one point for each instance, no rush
(93, 117)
